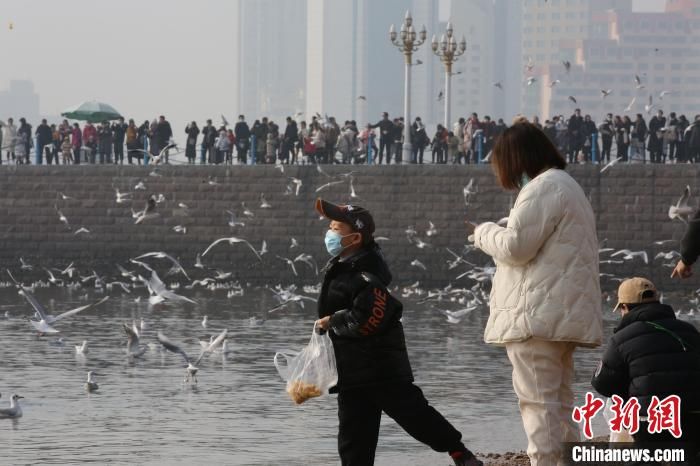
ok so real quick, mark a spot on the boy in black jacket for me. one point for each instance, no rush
(364, 321)
(651, 354)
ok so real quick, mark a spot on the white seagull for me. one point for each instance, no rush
(14, 411)
(629, 255)
(90, 384)
(43, 326)
(191, 363)
(681, 210)
(232, 240)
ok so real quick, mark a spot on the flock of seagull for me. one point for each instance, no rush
(639, 85)
(139, 277)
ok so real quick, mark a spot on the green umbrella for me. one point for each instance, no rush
(91, 111)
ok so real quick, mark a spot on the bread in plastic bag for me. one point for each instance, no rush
(311, 372)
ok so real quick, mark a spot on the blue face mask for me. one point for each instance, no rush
(524, 179)
(333, 243)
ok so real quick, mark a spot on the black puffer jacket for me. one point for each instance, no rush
(367, 334)
(652, 353)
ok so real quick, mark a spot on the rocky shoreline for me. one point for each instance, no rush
(519, 458)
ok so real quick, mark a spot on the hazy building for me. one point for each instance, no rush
(349, 55)
(506, 50)
(271, 55)
(19, 100)
(545, 25)
(660, 48)
(473, 78)
(428, 77)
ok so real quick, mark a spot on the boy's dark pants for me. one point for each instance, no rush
(360, 410)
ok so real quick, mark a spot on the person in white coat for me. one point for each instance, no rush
(9, 139)
(545, 297)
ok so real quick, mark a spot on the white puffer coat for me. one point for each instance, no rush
(546, 284)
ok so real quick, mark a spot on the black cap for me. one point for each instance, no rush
(358, 217)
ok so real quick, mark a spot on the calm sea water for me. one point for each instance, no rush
(238, 413)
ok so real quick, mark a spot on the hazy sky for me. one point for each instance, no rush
(145, 57)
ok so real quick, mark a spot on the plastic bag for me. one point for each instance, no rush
(622, 436)
(310, 372)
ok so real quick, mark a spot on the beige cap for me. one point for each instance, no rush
(632, 289)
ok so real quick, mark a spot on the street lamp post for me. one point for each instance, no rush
(449, 51)
(407, 43)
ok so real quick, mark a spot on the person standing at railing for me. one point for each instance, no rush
(192, 132)
(132, 142)
(9, 132)
(119, 132)
(77, 142)
(242, 133)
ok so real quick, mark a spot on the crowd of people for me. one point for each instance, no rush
(324, 140)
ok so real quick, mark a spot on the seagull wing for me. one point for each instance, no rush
(38, 307)
(216, 342)
(251, 248)
(214, 244)
(77, 309)
(683, 201)
(133, 338)
(170, 346)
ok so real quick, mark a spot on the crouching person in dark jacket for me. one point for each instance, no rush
(653, 354)
(364, 321)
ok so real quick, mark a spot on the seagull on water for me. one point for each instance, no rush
(192, 368)
(14, 411)
(90, 384)
(454, 317)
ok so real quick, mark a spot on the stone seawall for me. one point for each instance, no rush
(631, 205)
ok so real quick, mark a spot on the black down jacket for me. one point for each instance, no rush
(366, 330)
(652, 353)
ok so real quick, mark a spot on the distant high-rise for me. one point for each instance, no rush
(349, 55)
(506, 50)
(19, 100)
(270, 51)
(545, 26)
(661, 49)
(472, 89)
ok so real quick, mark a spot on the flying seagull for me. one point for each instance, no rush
(43, 326)
(163, 255)
(192, 368)
(610, 164)
(681, 210)
(232, 240)
(133, 348)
